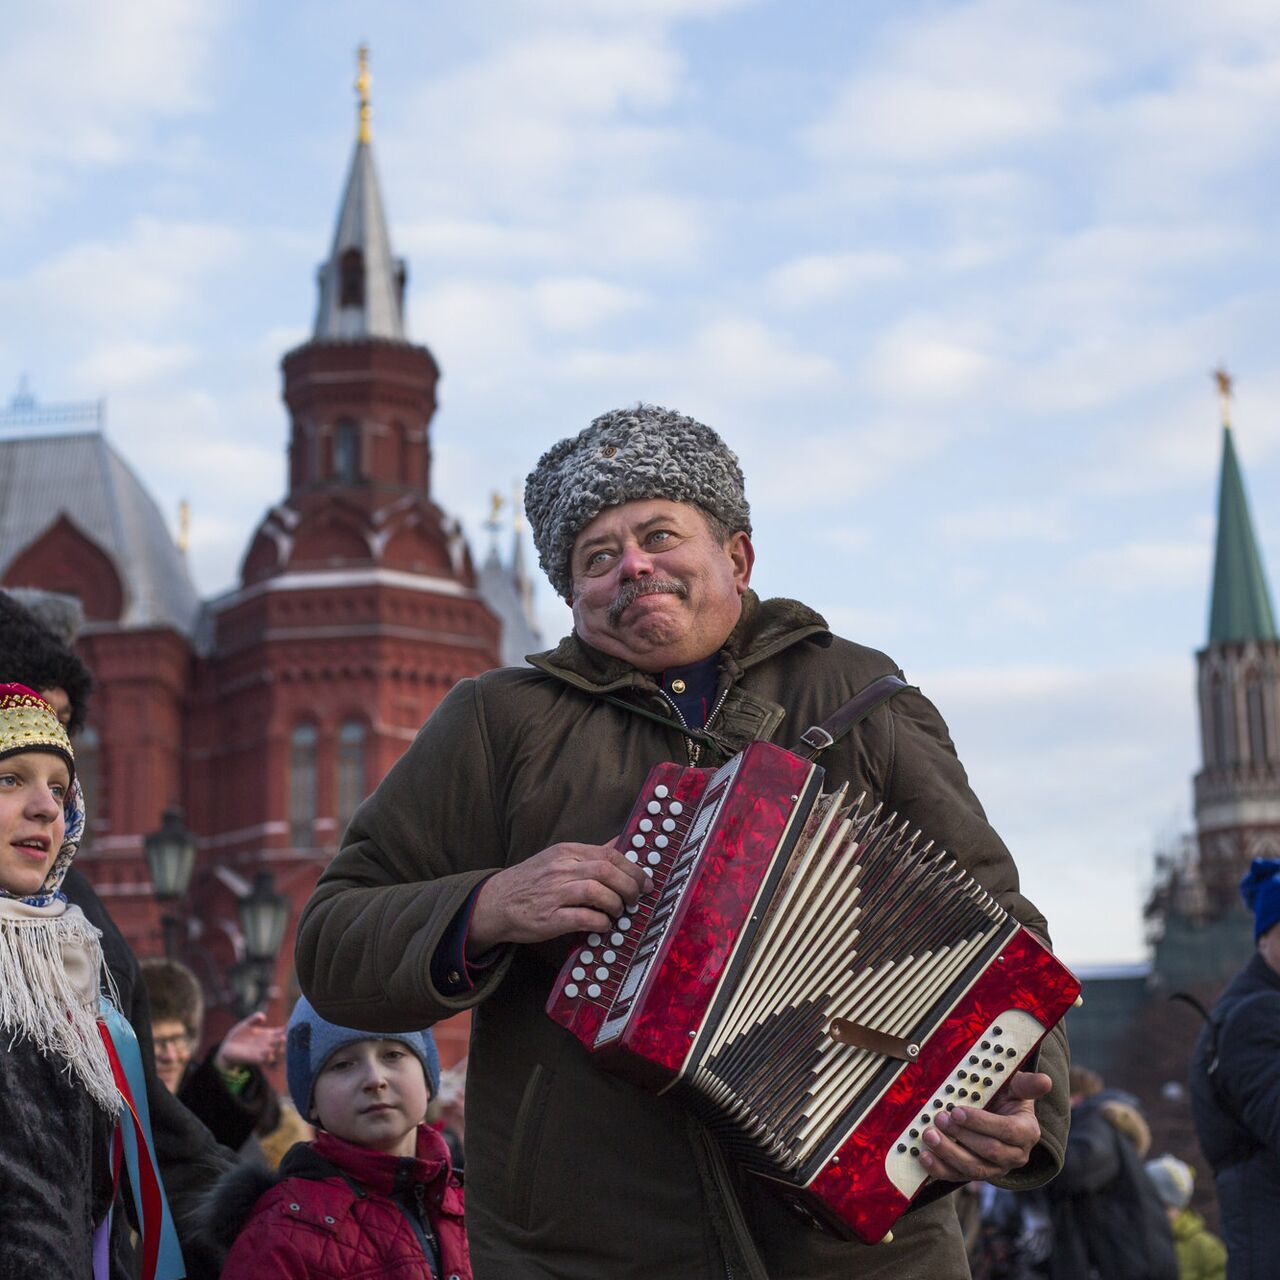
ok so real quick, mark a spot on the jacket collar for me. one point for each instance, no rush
(375, 1169)
(1261, 972)
(764, 628)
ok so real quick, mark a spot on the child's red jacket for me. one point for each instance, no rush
(338, 1210)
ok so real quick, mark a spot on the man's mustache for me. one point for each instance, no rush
(637, 587)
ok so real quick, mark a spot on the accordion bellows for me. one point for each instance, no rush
(815, 980)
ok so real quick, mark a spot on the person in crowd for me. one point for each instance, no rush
(1201, 1255)
(1108, 1222)
(226, 1088)
(58, 1099)
(374, 1193)
(31, 653)
(278, 1142)
(1235, 1090)
(35, 650)
(490, 842)
(448, 1111)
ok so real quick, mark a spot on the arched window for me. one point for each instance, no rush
(351, 269)
(1219, 728)
(351, 785)
(346, 452)
(302, 786)
(403, 454)
(1258, 745)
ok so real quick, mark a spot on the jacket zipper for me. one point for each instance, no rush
(695, 748)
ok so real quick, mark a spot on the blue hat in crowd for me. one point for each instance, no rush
(312, 1039)
(1260, 890)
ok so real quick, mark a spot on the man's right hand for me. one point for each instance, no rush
(568, 888)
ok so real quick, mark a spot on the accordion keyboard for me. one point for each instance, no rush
(975, 1079)
(654, 832)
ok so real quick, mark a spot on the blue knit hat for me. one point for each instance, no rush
(1260, 890)
(312, 1039)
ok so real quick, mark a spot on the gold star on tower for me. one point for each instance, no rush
(1223, 379)
(363, 80)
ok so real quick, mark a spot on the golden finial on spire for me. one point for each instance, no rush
(495, 506)
(363, 80)
(1223, 379)
(184, 525)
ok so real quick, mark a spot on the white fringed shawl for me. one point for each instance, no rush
(50, 959)
(50, 965)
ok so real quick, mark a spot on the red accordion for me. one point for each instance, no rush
(816, 982)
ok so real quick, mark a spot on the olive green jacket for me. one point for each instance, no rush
(572, 1173)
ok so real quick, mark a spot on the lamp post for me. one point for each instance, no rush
(264, 914)
(171, 857)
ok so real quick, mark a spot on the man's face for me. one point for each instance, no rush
(173, 1051)
(58, 699)
(652, 586)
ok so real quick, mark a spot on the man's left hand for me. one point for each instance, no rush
(968, 1144)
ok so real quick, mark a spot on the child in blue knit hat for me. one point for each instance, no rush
(374, 1192)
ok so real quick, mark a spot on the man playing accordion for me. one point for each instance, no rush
(491, 840)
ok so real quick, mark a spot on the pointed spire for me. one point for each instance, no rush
(1241, 604)
(362, 283)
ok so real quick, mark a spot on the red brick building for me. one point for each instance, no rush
(269, 712)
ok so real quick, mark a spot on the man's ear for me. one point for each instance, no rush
(742, 555)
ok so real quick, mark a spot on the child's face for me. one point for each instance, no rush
(373, 1093)
(33, 789)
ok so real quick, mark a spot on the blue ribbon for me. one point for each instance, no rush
(169, 1262)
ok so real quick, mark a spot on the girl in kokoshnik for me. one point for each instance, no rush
(58, 1100)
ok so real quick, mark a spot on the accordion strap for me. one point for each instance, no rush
(817, 738)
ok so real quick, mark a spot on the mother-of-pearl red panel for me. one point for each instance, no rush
(854, 1186)
(713, 909)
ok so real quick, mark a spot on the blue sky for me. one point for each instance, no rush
(950, 277)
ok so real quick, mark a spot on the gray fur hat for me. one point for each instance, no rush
(626, 456)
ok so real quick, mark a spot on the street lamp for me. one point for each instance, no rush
(264, 914)
(171, 857)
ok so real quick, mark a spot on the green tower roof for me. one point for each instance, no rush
(1241, 604)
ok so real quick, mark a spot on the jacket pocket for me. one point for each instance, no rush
(526, 1138)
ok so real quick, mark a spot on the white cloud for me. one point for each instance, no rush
(539, 118)
(1079, 769)
(964, 83)
(1144, 567)
(636, 12)
(82, 85)
(1003, 522)
(115, 365)
(137, 284)
(822, 277)
(570, 304)
(925, 361)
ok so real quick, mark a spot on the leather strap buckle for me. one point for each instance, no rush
(817, 737)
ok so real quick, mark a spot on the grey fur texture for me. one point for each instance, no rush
(625, 456)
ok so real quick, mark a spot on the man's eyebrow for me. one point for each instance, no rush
(664, 518)
(598, 540)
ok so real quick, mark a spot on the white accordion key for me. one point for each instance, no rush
(972, 1082)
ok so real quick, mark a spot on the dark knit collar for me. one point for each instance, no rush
(764, 627)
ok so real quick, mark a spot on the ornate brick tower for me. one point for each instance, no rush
(1237, 793)
(357, 607)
